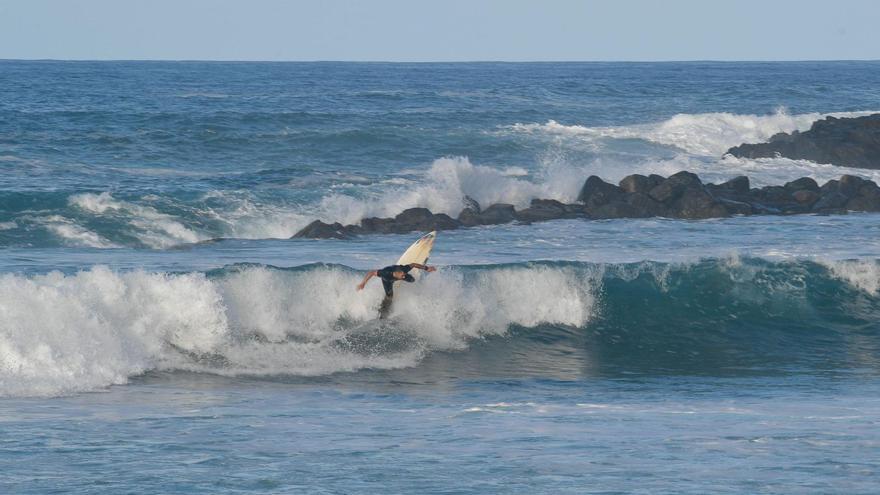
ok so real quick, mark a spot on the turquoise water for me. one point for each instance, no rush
(160, 332)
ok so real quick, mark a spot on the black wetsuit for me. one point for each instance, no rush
(387, 276)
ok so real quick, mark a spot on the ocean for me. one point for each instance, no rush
(161, 333)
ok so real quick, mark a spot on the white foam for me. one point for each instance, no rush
(244, 218)
(448, 181)
(707, 134)
(152, 227)
(68, 333)
(73, 234)
(861, 274)
(699, 140)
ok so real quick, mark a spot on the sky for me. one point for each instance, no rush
(440, 30)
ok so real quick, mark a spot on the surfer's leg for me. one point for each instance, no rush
(385, 308)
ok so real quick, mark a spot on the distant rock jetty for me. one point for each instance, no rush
(850, 142)
(682, 195)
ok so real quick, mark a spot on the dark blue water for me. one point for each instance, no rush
(160, 332)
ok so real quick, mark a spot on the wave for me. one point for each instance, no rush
(443, 186)
(63, 334)
(278, 203)
(707, 134)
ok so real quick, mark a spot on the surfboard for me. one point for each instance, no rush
(418, 252)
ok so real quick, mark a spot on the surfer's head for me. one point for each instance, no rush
(399, 275)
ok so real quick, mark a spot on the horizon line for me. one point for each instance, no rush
(476, 61)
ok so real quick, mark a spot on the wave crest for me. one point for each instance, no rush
(68, 333)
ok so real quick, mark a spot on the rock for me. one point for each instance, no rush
(802, 184)
(738, 185)
(805, 196)
(734, 207)
(373, 225)
(543, 209)
(645, 206)
(867, 198)
(870, 190)
(321, 230)
(774, 196)
(469, 217)
(440, 221)
(849, 185)
(471, 204)
(831, 202)
(497, 213)
(614, 209)
(637, 183)
(671, 188)
(775, 200)
(596, 192)
(734, 195)
(851, 142)
(696, 203)
(422, 219)
(413, 216)
(863, 203)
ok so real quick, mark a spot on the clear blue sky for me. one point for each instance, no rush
(440, 30)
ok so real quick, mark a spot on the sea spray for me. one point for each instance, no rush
(67, 333)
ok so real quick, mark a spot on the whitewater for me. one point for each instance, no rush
(160, 331)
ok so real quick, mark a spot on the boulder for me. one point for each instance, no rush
(637, 183)
(469, 217)
(374, 225)
(596, 192)
(671, 188)
(615, 209)
(849, 185)
(805, 196)
(644, 206)
(832, 185)
(471, 204)
(831, 202)
(867, 198)
(413, 216)
(863, 203)
(422, 219)
(802, 184)
(440, 221)
(543, 209)
(735, 207)
(321, 230)
(869, 188)
(737, 185)
(497, 213)
(697, 203)
(851, 142)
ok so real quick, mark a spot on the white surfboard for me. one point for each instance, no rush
(418, 252)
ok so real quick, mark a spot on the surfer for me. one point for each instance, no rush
(389, 275)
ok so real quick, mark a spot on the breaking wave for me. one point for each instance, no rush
(63, 334)
(708, 134)
(693, 142)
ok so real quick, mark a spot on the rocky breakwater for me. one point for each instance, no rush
(849, 142)
(682, 195)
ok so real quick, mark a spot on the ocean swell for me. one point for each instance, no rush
(68, 333)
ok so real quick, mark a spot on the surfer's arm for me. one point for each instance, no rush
(367, 278)
(423, 267)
